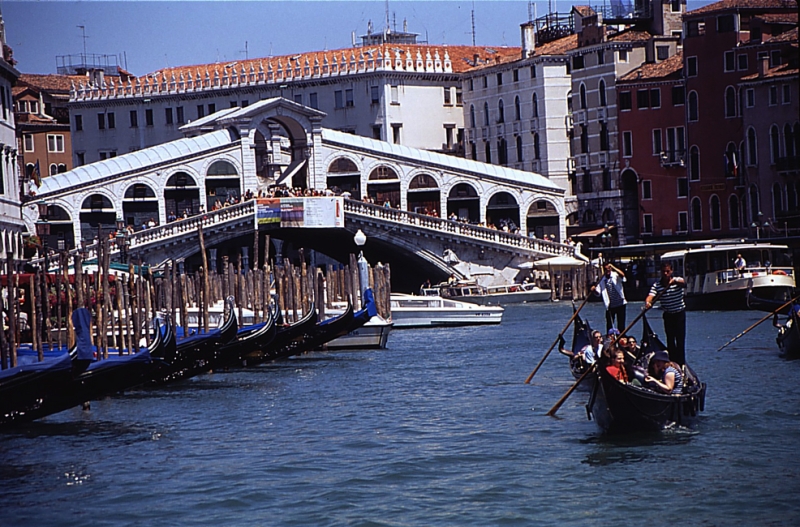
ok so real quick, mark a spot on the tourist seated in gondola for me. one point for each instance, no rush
(618, 369)
(782, 328)
(667, 376)
(588, 354)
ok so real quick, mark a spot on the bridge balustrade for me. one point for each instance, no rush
(456, 227)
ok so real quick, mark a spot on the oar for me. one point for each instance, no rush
(575, 314)
(561, 401)
(759, 322)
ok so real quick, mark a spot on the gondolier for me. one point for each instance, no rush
(674, 311)
(610, 289)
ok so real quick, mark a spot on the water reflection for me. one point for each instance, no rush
(634, 448)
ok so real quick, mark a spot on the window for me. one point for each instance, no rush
(396, 128)
(501, 114)
(658, 145)
(338, 99)
(733, 212)
(55, 143)
(168, 115)
(694, 164)
(655, 98)
(662, 52)
(602, 89)
(517, 109)
(395, 95)
(53, 169)
(627, 144)
(583, 96)
(606, 179)
(623, 55)
(691, 66)
(714, 213)
(487, 150)
(376, 132)
(678, 96)
(298, 98)
(787, 94)
(101, 121)
(693, 111)
(519, 147)
(447, 96)
(537, 153)
(742, 62)
(642, 99)
(601, 57)
(777, 199)
(605, 144)
(233, 104)
(374, 94)
(729, 64)
(80, 158)
(179, 112)
(348, 98)
(78, 123)
(730, 102)
(577, 62)
(201, 111)
(683, 187)
(675, 6)
(773, 95)
(472, 116)
(752, 156)
(459, 96)
(499, 79)
(245, 103)
(485, 81)
(486, 114)
(134, 118)
(647, 224)
(750, 97)
(533, 71)
(587, 181)
(697, 217)
(471, 86)
(725, 24)
(774, 144)
(212, 108)
(584, 139)
(683, 221)
(515, 75)
(675, 143)
(625, 100)
(148, 117)
(535, 105)
(647, 189)
(28, 140)
(313, 101)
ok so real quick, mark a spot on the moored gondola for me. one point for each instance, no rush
(619, 407)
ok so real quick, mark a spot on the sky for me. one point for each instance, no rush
(147, 36)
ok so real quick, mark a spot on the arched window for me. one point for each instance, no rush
(774, 144)
(714, 213)
(342, 165)
(29, 170)
(536, 147)
(221, 168)
(535, 106)
(777, 199)
(697, 218)
(602, 89)
(488, 151)
(62, 168)
(694, 114)
(486, 114)
(383, 173)
(694, 164)
(519, 148)
(791, 196)
(788, 141)
(501, 117)
(583, 96)
(755, 203)
(733, 212)
(472, 115)
(752, 155)
(589, 217)
(730, 102)
(53, 169)
(502, 151)
(517, 109)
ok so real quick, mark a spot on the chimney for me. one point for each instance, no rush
(528, 39)
(475, 59)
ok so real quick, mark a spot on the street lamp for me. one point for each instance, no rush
(363, 266)
(122, 239)
(755, 226)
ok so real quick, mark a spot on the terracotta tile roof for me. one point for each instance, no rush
(557, 47)
(461, 58)
(584, 10)
(49, 82)
(778, 18)
(784, 70)
(725, 5)
(786, 36)
(666, 70)
(629, 35)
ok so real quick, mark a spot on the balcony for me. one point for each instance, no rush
(673, 158)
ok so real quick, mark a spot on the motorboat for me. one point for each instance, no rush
(411, 311)
(372, 335)
(489, 295)
(713, 281)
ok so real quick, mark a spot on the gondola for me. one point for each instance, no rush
(285, 336)
(788, 338)
(769, 305)
(88, 377)
(581, 337)
(193, 352)
(620, 408)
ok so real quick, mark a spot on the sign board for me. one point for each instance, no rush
(320, 212)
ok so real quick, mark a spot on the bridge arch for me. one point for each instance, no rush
(62, 232)
(282, 146)
(383, 185)
(464, 203)
(223, 182)
(502, 211)
(543, 219)
(97, 216)
(139, 204)
(344, 174)
(181, 193)
(423, 194)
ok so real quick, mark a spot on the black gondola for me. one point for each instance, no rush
(284, 336)
(788, 338)
(88, 378)
(619, 407)
(581, 337)
(780, 306)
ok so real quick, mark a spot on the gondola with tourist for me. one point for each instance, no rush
(619, 407)
(788, 338)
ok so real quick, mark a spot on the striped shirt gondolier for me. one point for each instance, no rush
(672, 299)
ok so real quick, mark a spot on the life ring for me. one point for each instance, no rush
(779, 272)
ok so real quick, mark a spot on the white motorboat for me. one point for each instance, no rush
(372, 335)
(490, 295)
(410, 311)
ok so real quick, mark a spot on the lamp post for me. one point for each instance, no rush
(121, 239)
(758, 230)
(363, 266)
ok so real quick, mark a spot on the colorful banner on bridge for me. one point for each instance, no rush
(320, 212)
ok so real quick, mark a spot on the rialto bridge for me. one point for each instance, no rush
(433, 211)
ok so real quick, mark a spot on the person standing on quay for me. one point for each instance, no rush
(611, 290)
(674, 311)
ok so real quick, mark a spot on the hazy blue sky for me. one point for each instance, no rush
(155, 34)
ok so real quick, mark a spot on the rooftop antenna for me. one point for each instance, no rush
(473, 23)
(387, 15)
(246, 51)
(83, 29)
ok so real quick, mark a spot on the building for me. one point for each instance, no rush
(393, 90)
(11, 225)
(42, 117)
(724, 45)
(515, 112)
(652, 146)
(610, 45)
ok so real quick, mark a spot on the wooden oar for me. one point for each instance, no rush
(575, 314)
(561, 401)
(759, 322)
